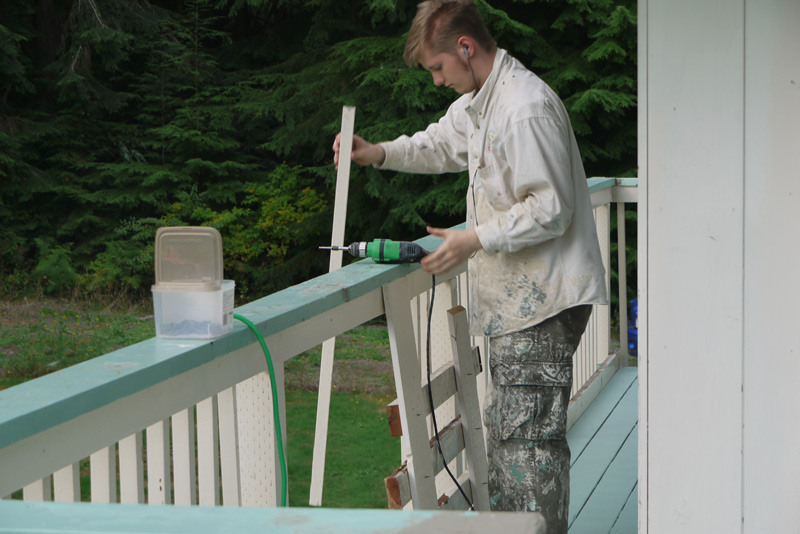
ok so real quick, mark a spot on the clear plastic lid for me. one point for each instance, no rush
(189, 257)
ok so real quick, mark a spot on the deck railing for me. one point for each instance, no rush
(195, 416)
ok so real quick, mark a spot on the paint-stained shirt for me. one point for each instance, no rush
(528, 199)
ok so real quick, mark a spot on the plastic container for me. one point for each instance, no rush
(193, 314)
(190, 298)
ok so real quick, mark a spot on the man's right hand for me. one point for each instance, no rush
(363, 153)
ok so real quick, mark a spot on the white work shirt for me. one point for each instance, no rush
(528, 199)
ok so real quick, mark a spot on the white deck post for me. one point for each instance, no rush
(406, 363)
(183, 445)
(623, 285)
(158, 465)
(38, 490)
(67, 484)
(103, 470)
(229, 447)
(208, 452)
(131, 470)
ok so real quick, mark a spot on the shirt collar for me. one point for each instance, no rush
(480, 100)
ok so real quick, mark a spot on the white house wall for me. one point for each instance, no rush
(720, 212)
(772, 267)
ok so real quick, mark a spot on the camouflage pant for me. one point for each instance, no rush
(526, 417)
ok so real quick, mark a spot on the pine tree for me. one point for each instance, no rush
(120, 116)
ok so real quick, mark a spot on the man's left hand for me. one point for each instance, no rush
(457, 247)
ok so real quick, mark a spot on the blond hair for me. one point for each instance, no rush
(439, 24)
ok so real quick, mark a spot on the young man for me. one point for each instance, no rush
(534, 261)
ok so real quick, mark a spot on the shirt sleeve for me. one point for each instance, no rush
(440, 148)
(537, 154)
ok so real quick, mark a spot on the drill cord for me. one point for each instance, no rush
(430, 400)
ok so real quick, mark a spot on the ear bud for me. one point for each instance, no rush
(466, 52)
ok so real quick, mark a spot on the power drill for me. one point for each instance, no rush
(385, 251)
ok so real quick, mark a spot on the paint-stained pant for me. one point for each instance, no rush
(526, 417)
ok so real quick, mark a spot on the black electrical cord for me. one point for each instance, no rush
(430, 400)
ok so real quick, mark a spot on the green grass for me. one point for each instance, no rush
(360, 451)
(38, 338)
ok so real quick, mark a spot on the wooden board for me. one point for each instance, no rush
(592, 419)
(612, 493)
(326, 366)
(590, 464)
(628, 519)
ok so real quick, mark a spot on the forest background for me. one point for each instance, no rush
(121, 116)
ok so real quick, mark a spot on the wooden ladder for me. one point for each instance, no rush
(415, 483)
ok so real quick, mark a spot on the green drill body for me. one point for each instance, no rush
(385, 251)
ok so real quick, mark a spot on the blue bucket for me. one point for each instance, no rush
(633, 329)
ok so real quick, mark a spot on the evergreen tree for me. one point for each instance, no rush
(119, 116)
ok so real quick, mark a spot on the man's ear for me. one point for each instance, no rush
(466, 47)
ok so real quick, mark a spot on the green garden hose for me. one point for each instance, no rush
(275, 408)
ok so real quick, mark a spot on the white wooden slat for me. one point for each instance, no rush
(158, 464)
(409, 393)
(326, 367)
(208, 452)
(38, 490)
(466, 378)
(229, 447)
(342, 184)
(103, 473)
(622, 284)
(184, 457)
(602, 312)
(67, 484)
(131, 470)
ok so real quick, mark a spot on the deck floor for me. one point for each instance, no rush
(603, 474)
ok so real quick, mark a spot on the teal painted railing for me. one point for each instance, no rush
(204, 406)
